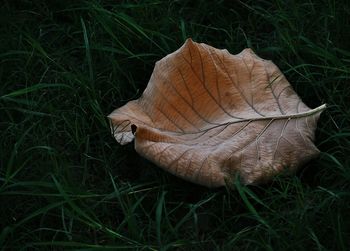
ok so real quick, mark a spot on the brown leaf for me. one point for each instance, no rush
(206, 115)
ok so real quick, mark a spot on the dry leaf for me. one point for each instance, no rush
(206, 115)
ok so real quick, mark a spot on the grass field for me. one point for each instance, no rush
(65, 183)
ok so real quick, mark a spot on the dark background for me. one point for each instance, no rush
(66, 184)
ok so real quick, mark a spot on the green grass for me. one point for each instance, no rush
(65, 183)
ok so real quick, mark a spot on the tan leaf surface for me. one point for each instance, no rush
(206, 115)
